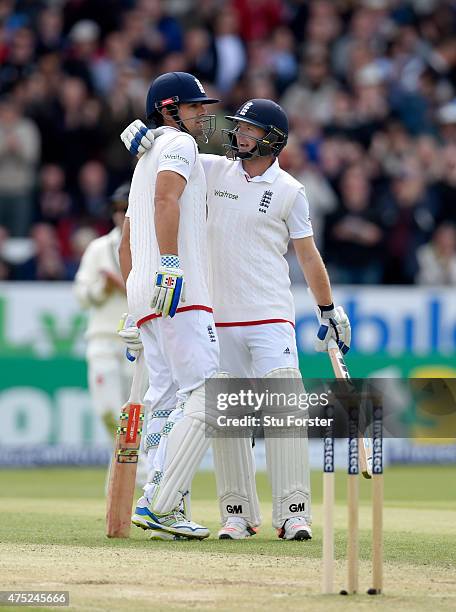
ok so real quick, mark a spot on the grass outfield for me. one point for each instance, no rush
(52, 538)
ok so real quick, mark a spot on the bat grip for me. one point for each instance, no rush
(138, 379)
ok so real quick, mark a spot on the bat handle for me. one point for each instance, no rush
(138, 379)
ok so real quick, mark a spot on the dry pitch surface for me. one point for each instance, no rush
(52, 538)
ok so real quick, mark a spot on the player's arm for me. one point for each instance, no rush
(313, 268)
(334, 323)
(124, 250)
(138, 139)
(169, 279)
(176, 161)
(168, 189)
(90, 284)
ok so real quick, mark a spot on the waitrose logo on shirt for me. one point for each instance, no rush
(176, 157)
(225, 194)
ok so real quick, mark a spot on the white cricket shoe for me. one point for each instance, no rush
(295, 529)
(236, 528)
(174, 523)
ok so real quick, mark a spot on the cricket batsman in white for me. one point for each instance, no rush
(100, 289)
(254, 209)
(163, 256)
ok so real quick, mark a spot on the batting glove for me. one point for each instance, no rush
(169, 286)
(138, 138)
(334, 324)
(129, 333)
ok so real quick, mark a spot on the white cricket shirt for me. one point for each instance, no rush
(175, 151)
(250, 222)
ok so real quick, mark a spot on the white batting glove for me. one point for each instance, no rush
(334, 324)
(129, 333)
(169, 286)
(138, 138)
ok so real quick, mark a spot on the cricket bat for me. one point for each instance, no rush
(365, 443)
(122, 477)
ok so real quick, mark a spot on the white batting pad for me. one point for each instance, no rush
(287, 461)
(235, 475)
(156, 421)
(187, 441)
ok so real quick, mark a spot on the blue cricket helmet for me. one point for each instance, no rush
(175, 88)
(267, 115)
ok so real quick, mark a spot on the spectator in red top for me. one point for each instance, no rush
(258, 18)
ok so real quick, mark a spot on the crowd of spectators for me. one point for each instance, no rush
(369, 87)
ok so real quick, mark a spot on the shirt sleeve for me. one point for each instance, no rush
(298, 222)
(179, 156)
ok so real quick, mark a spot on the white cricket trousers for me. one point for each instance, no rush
(180, 353)
(255, 350)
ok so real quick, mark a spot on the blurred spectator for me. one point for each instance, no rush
(50, 31)
(116, 55)
(363, 40)
(322, 25)
(258, 18)
(77, 127)
(47, 263)
(200, 53)
(104, 12)
(447, 119)
(152, 33)
(19, 61)
(321, 197)
(371, 106)
(429, 157)
(118, 110)
(19, 154)
(354, 235)
(283, 58)
(84, 40)
(314, 92)
(369, 84)
(437, 259)
(92, 199)
(445, 188)
(53, 202)
(410, 213)
(230, 56)
(165, 28)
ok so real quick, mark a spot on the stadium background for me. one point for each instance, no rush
(369, 87)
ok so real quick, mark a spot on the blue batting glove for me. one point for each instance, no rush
(169, 286)
(334, 324)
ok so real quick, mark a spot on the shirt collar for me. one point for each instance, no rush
(269, 176)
